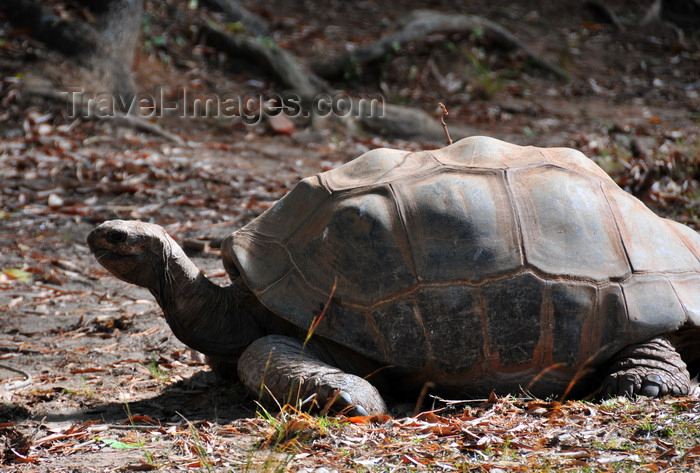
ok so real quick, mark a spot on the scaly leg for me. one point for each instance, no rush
(281, 367)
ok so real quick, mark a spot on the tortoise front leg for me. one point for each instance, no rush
(282, 368)
(652, 368)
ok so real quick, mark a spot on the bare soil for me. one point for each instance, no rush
(112, 390)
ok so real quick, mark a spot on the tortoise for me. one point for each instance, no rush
(482, 266)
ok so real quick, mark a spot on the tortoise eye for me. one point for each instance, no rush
(116, 237)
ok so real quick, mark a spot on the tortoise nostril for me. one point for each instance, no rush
(116, 237)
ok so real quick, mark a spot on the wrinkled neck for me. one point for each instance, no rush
(201, 314)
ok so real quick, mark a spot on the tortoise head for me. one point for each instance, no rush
(133, 251)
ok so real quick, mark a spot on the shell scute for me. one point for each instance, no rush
(568, 227)
(461, 226)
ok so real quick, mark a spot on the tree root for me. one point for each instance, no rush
(673, 14)
(20, 384)
(421, 26)
(408, 123)
(118, 118)
(268, 56)
(681, 13)
(72, 39)
(388, 120)
(252, 23)
(602, 12)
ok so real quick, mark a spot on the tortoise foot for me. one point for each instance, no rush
(278, 369)
(653, 368)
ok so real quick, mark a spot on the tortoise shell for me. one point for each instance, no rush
(477, 265)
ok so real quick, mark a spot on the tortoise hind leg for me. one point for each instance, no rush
(282, 368)
(652, 368)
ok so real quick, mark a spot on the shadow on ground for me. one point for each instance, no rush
(197, 398)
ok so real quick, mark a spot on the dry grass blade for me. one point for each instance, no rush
(317, 319)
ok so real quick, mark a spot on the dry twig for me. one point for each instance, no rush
(445, 113)
(19, 384)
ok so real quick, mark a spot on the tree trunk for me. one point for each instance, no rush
(107, 46)
(120, 25)
(684, 13)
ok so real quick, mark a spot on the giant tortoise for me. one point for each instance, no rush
(477, 267)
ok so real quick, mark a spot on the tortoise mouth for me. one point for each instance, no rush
(105, 256)
(124, 267)
(114, 262)
(100, 253)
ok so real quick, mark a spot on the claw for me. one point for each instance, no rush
(343, 399)
(653, 386)
(627, 385)
(344, 403)
(357, 411)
